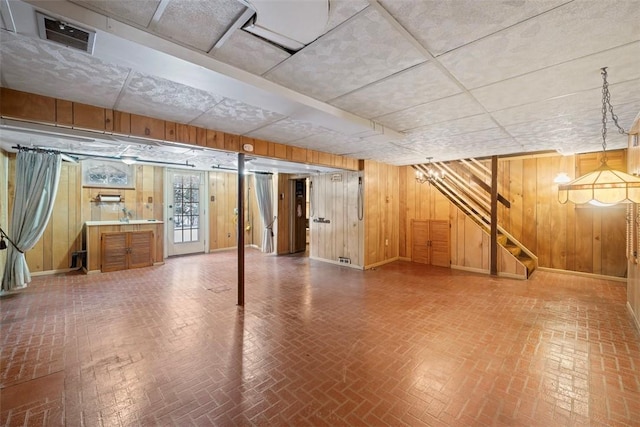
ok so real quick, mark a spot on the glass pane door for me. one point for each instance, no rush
(186, 213)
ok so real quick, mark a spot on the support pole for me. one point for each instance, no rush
(494, 215)
(240, 230)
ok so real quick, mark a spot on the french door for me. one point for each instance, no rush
(186, 216)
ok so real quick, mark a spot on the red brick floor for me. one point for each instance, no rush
(317, 345)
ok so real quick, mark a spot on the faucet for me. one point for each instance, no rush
(126, 215)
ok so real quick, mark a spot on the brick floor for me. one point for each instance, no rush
(317, 345)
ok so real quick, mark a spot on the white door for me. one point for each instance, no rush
(186, 225)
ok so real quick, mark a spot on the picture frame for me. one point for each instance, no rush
(107, 174)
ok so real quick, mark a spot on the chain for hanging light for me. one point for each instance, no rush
(606, 105)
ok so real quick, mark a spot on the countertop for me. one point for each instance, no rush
(131, 222)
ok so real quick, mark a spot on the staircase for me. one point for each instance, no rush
(465, 185)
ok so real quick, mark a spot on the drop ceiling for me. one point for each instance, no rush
(395, 81)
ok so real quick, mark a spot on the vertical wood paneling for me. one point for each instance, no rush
(282, 223)
(336, 201)
(586, 239)
(223, 190)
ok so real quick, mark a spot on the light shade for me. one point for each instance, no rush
(128, 160)
(605, 186)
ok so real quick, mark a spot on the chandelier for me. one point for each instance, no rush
(604, 186)
(429, 174)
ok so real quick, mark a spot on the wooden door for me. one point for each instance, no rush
(299, 216)
(420, 249)
(431, 242)
(140, 248)
(439, 238)
(113, 251)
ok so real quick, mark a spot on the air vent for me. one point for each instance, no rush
(64, 33)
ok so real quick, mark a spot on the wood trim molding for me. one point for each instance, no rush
(58, 112)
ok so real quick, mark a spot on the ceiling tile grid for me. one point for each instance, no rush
(286, 130)
(575, 104)
(445, 109)
(563, 79)
(198, 24)
(568, 32)
(363, 50)
(236, 117)
(49, 69)
(441, 26)
(137, 12)
(449, 129)
(249, 53)
(164, 99)
(417, 85)
(341, 10)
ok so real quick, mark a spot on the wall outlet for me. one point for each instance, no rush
(344, 260)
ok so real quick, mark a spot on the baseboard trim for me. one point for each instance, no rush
(330, 261)
(378, 264)
(470, 269)
(512, 276)
(50, 272)
(404, 258)
(580, 273)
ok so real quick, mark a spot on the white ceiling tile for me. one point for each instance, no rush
(568, 32)
(442, 26)
(286, 130)
(250, 53)
(49, 69)
(450, 128)
(577, 103)
(164, 99)
(137, 12)
(341, 10)
(453, 107)
(364, 50)
(236, 117)
(563, 79)
(417, 85)
(198, 24)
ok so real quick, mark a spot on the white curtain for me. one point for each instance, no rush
(264, 193)
(37, 176)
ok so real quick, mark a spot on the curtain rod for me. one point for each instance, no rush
(98, 156)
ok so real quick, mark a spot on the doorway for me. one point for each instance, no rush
(299, 217)
(186, 220)
(431, 242)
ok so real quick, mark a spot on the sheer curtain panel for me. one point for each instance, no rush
(264, 193)
(37, 176)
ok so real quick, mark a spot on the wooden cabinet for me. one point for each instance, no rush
(431, 242)
(124, 250)
(139, 243)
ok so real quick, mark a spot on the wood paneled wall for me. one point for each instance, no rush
(566, 237)
(381, 206)
(58, 112)
(419, 202)
(145, 201)
(223, 199)
(282, 226)
(335, 198)
(633, 280)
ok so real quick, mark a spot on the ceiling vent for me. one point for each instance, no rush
(64, 33)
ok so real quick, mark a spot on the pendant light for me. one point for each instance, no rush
(604, 186)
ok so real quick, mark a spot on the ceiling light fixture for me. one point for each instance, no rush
(562, 178)
(430, 174)
(604, 186)
(128, 160)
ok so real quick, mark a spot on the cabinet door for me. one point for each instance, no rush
(439, 237)
(140, 249)
(420, 248)
(114, 251)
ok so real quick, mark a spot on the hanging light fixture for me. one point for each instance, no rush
(604, 186)
(428, 174)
